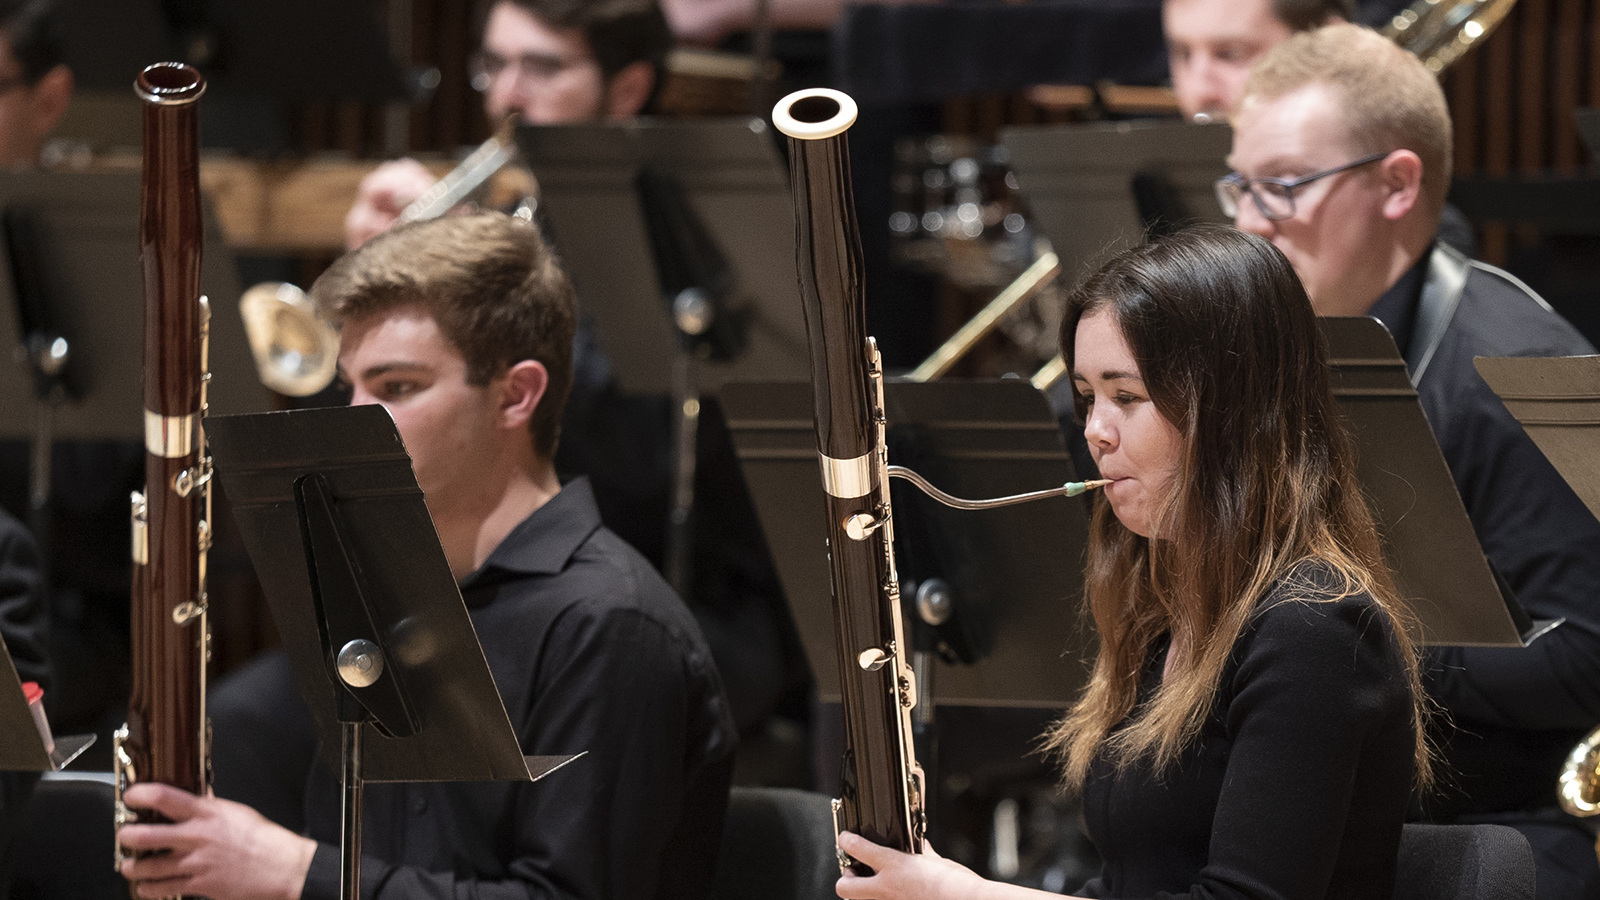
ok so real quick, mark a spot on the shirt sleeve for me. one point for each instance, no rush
(613, 684)
(1546, 543)
(1318, 686)
(23, 613)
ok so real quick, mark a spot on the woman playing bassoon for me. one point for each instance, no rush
(1253, 725)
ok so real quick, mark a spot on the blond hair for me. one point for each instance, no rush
(1388, 99)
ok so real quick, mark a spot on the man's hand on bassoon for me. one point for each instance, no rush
(213, 848)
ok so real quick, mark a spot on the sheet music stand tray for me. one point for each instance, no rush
(380, 641)
(1079, 181)
(1438, 565)
(735, 184)
(23, 749)
(1557, 400)
(1015, 573)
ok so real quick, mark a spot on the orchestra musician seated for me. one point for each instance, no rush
(1341, 152)
(1254, 722)
(461, 328)
(1211, 44)
(548, 62)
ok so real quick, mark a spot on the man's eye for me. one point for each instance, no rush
(394, 390)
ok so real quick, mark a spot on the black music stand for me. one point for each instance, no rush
(380, 641)
(1557, 401)
(1439, 566)
(1012, 636)
(23, 749)
(732, 181)
(1095, 189)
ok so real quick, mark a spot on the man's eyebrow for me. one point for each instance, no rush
(381, 369)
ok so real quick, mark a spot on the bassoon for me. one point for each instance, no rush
(881, 788)
(166, 736)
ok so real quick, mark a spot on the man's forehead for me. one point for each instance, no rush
(512, 30)
(404, 333)
(1307, 121)
(1198, 20)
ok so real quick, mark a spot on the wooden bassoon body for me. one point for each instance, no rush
(165, 739)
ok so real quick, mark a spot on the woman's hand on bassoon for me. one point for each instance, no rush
(924, 876)
(213, 848)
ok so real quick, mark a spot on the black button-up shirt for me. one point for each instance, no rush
(591, 651)
(1517, 711)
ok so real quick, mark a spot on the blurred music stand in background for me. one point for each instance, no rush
(1096, 189)
(77, 278)
(991, 597)
(378, 636)
(1439, 567)
(1557, 401)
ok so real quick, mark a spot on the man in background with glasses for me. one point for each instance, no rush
(1341, 153)
(548, 62)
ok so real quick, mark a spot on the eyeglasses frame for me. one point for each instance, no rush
(1246, 186)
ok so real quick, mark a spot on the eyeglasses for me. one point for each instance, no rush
(530, 69)
(1274, 197)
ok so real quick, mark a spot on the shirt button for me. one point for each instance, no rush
(419, 805)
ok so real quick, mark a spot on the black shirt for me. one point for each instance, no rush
(591, 651)
(23, 623)
(1297, 784)
(1517, 711)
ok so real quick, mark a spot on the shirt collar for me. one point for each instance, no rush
(542, 543)
(1397, 308)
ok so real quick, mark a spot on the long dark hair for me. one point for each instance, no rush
(1230, 353)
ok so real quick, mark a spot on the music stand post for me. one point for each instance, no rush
(379, 638)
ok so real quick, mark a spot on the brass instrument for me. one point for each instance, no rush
(166, 738)
(1030, 282)
(1579, 787)
(882, 790)
(296, 352)
(1440, 31)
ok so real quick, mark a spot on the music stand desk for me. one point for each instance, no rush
(1439, 567)
(735, 184)
(1557, 400)
(1016, 573)
(335, 524)
(23, 748)
(1078, 180)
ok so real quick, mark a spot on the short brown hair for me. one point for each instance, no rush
(1389, 99)
(619, 32)
(491, 283)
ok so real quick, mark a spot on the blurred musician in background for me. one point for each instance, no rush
(462, 328)
(1341, 152)
(24, 627)
(35, 85)
(1252, 648)
(1211, 44)
(549, 62)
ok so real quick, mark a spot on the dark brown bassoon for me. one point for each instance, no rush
(881, 794)
(165, 738)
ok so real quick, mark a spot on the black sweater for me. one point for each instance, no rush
(1297, 785)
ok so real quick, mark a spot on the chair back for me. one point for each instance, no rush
(1463, 862)
(777, 844)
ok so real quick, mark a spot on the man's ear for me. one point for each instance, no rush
(524, 386)
(628, 90)
(51, 94)
(1401, 174)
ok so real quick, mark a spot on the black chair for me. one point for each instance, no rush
(65, 846)
(777, 844)
(1463, 862)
